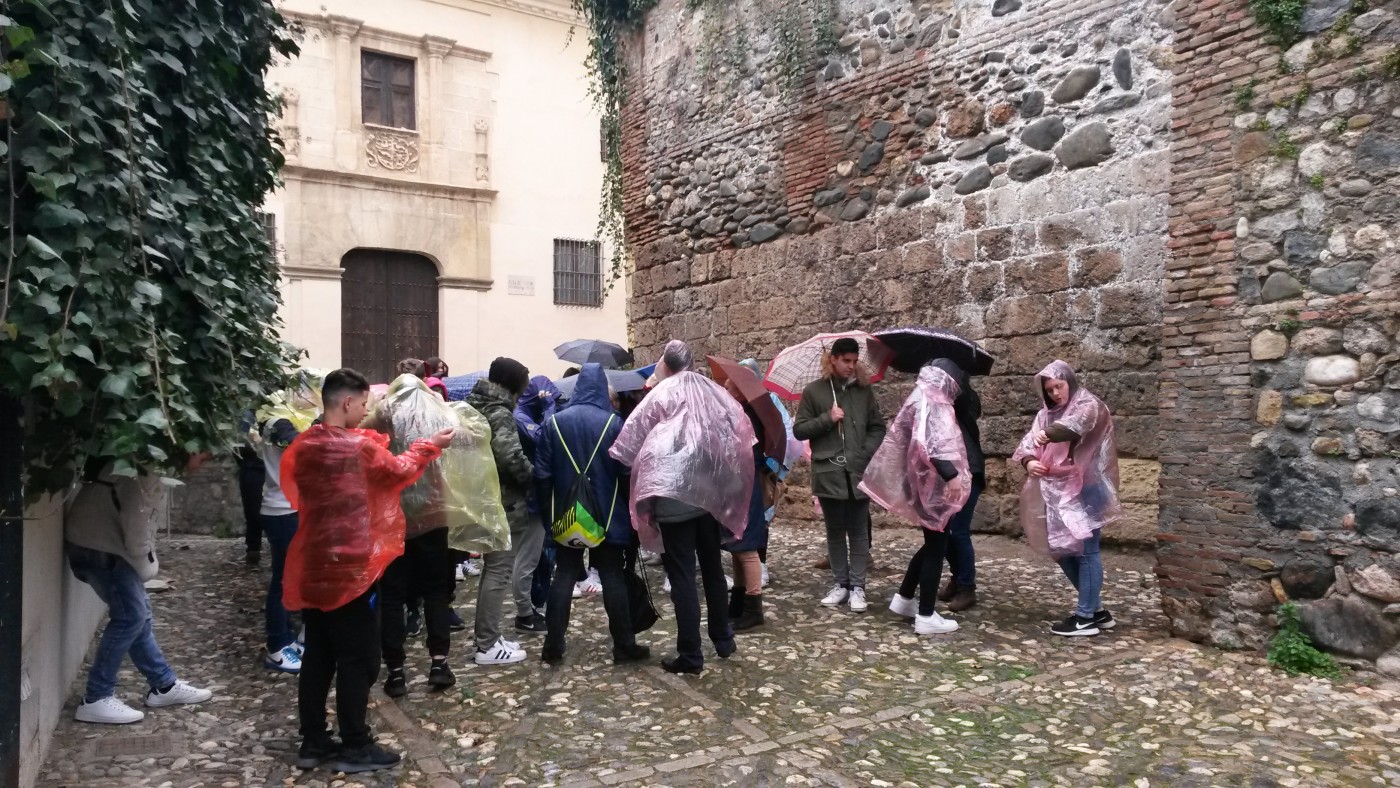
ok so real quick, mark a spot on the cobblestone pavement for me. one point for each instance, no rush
(816, 697)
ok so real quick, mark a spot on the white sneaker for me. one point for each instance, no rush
(108, 711)
(288, 660)
(858, 604)
(473, 566)
(592, 584)
(934, 625)
(651, 559)
(729, 582)
(503, 653)
(666, 586)
(904, 606)
(460, 573)
(177, 695)
(836, 597)
(763, 576)
(578, 589)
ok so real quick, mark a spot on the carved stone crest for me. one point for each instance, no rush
(391, 150)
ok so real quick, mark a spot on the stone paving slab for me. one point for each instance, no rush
(816, 697)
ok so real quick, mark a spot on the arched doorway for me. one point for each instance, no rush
(389, 310)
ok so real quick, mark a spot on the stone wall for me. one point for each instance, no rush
(207, 502)
(997, 169)
(1279, 355)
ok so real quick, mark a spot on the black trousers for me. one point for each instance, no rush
(925, 569)
(250, 490)
(609, 560)
(424, 571)
(341, 645)
(685, 543)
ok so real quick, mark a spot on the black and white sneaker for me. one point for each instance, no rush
(1076, 627)
(368, 758)
(1104, 620)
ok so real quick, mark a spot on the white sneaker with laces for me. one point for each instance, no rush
(934, 625)
(763, 576)
(503, 653)
(178, 695)
(858, 604)
(578, 589)
(473, 566)
(288, 660)
(904, 606)
(460, 573)
(108, 711)
(836, 596)
(729, 582)
(592, 584)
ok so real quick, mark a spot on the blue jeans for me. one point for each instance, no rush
(1085, 572)
(128, 629)
(279, 530)
(962, 560)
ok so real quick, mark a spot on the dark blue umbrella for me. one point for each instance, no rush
(594, 351)
(916, 346)
(460, 386)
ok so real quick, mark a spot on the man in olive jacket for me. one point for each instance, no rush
(841, 419)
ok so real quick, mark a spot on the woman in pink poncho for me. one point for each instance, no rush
(920, 473)
(690, 448)
(1071, 489)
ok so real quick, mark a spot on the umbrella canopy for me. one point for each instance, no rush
(797, 366)
(619, 380)
(914, 347)
(751, 389)
(594, 351)
(459, 386)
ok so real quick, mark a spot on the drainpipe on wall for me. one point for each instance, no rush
(11, 586)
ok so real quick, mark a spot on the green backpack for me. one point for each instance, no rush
(577, 525)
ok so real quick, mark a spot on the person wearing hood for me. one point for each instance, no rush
(495, 397)
(534, 407)
(921, 473)
(572, 442)
(1071, 492)
(781, 468)
(690, 448)
(960, 592)
(840, 417)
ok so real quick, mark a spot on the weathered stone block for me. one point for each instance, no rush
(1332, 371)
(1268, 345)
(1047, 273)
(1031, 314)
(1096, 266)
(1126, 305)
(1348, 625)
(1307, 577)
(1270, 408)
(1086, 146)
(1077, 84)
(1318, 341)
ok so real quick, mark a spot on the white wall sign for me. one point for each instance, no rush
(520, 285)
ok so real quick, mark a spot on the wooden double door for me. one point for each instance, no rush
(388, 310)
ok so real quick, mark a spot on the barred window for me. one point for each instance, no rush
(578, 274)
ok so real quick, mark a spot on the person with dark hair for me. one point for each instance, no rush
(411, 366)
(435, 367)
(495, 398)
(109, 534)
(345, 486)
(840, 417)
(251, 475)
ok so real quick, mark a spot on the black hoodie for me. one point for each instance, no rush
(967, 409)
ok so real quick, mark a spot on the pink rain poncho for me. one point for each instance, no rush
(901, 476)
(1079, 494)
(689, 441)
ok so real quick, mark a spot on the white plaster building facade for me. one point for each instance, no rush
(441, 185)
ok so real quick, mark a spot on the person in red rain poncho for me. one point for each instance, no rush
(345, 486)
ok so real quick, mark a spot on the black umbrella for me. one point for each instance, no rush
(914, 347)
(594, 351)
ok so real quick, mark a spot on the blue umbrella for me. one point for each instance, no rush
(619, 380)
(459, 386)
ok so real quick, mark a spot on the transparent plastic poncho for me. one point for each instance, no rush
(689, 441)
(299, 405)
(901, 476)
(459, 491)
(1079, 493)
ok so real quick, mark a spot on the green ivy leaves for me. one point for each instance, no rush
(140, 301)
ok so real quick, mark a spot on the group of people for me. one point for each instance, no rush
(683, 470)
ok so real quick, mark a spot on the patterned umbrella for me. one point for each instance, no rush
(585, 351)
(796, 367)
(459, 386)
(914, 347)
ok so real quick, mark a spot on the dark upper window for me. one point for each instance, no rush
(386, 90)
(578, 273)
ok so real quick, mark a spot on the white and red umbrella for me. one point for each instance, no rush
(796, 367)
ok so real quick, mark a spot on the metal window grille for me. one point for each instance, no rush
(578, 273)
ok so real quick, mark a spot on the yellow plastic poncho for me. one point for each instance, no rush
(459, 491)
(300, 405)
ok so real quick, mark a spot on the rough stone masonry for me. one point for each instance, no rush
(1134, 187)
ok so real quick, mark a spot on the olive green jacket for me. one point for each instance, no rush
(856, 438)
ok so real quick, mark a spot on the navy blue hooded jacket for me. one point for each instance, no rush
(581, 425)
